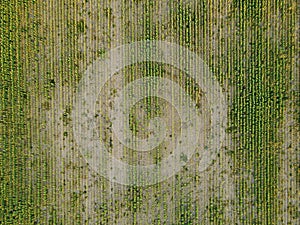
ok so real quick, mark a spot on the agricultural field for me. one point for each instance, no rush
(55, 57)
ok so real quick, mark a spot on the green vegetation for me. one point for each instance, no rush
(260, 73)
(81, 27)
(18, 198)
(216, 211)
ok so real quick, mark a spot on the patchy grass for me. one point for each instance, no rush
(251, 51)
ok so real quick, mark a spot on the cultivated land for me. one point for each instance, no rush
(251, 49)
